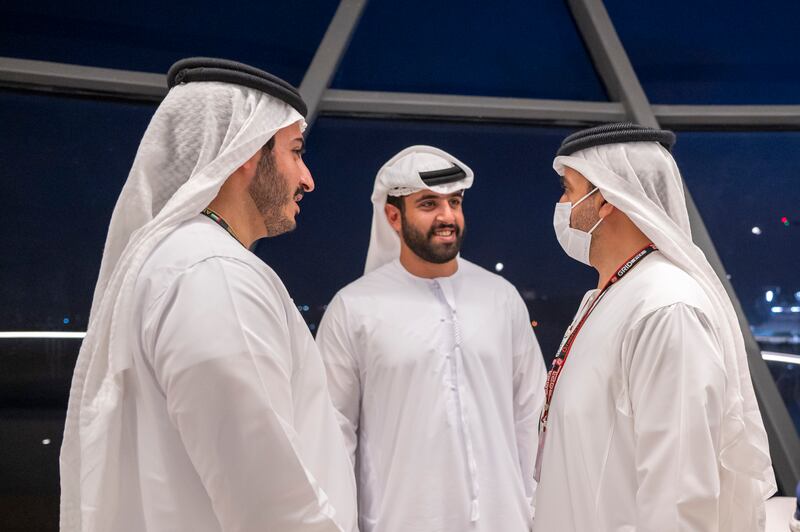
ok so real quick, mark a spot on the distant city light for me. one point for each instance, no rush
(756, 230)
(66, 321)
(785, 221)
(46, 441)
(797, 296)
(780, 357)
(499, 267)
(776, 310)
(312, 326)
(795, 309)
(770, 295)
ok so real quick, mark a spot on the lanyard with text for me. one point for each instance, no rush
(566, 346)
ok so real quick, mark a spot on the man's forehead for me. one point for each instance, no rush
(571, 173)
(291, 129)
(573, 177)
(290, 132)
(427, 193)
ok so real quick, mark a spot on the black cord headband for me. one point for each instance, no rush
(615, 134)
(210, 69)
(442, 177)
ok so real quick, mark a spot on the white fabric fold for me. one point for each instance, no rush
(439, 384)
(200, 134)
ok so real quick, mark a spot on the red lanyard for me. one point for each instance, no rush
(566, 345)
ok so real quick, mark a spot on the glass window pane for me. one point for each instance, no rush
(735, 52)
(63, 168)
(61, 189)
(520, 49)
(280, 37)
(66, 164)
(745, 186)
(29, 486)
(509, 212)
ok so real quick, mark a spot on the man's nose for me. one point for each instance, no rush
(446, 214)
(306, 180)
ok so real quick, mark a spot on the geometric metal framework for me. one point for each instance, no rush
(60, 78)
(617, 74)
(81, 80)
(329, 53)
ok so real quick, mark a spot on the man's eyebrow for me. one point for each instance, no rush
(457, 194)
(427, 197)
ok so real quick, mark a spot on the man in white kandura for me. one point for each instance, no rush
(433, 365)
(650, 421)
(199, 400)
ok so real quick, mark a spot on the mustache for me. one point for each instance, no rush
(456, 229)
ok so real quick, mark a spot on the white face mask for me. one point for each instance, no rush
(575, 242)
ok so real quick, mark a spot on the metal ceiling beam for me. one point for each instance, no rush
(729, 116)
(617, 72)
(61, 78)
(329, 54)
(610, 59)
(81, 80)
(451, 107)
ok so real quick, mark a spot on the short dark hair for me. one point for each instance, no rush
(270, 143)
(397, 201)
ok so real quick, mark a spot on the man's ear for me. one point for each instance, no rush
(394, 216)
(605, 207)
(248, 168)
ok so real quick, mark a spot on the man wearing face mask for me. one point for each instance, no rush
(650, 420)
(433, 365)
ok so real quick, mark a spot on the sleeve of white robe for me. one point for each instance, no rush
(222, 356)
(528, 379)
(676, 386)
(344, 382)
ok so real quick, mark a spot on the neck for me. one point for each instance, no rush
(608, 256)
(248, 228)
(422, 268)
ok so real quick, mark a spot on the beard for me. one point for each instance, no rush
(421, 243)
(584, 218)
(271, 194)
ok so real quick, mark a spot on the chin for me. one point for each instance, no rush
(279, 227)
(446, 249)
